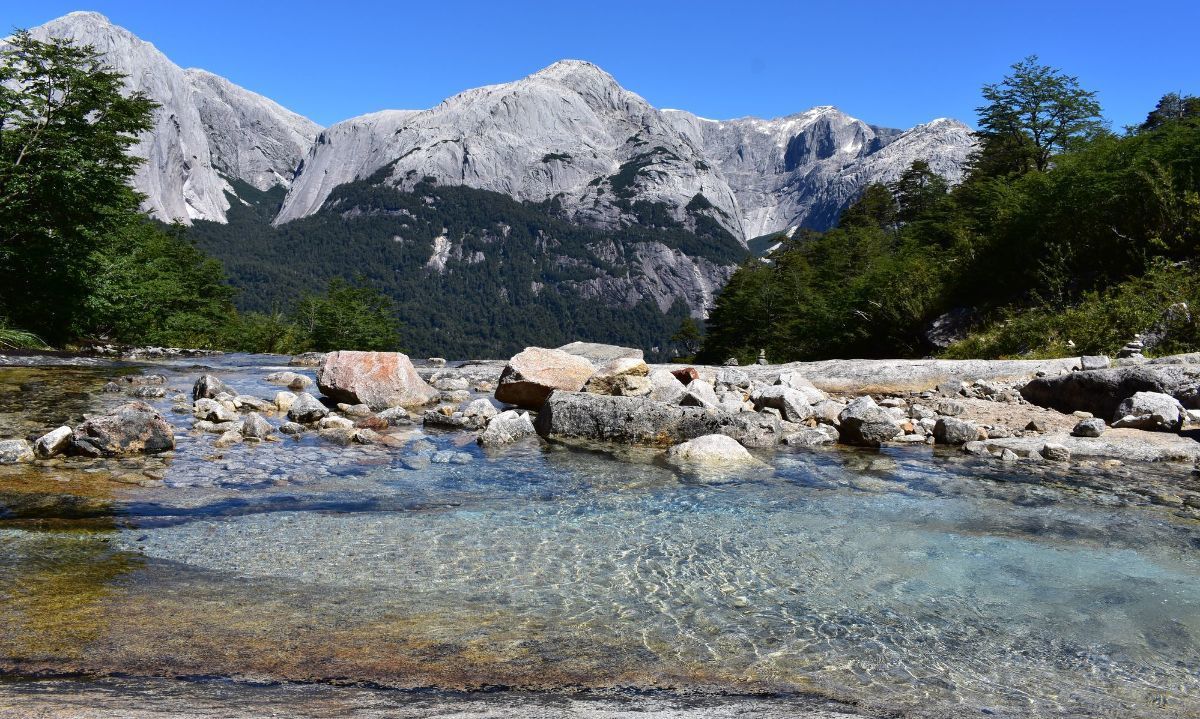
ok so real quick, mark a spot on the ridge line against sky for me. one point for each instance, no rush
(889, 64)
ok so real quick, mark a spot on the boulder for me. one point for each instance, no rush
(626, 420)
(333, 422)
(306, 409)
(664, 387)
(600, 354)
(147, 392)
(246, 402)
(480, 411)
(228, 439)
(307, 359)
(760, 430)
(630, 386)
(800, 383)
(685, 375)
(1102, 391)
(212, 411)
(290, 379)
(951, 430)
(1091, 362)
(395, 416)
(533, 374)
(711, 450)
(699, 394)
(624, 366)
(866, 424)
(53, 443)
(951, 408)
(1093, 427)
(1053, 452)
(822, 435)
(133, 428)
(792, 403)
(507, 427)
(209, 386)
(1153, 411)
(255, 426)
(15, 451)
(616, 375)
(284, 401)
(733, 377)
(377, 379)
(291, 428)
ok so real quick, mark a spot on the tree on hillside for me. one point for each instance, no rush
(349, 317)
(875, 207)
(688, 336)
(917, 190)
(1171, 107)
(1031, 115)
(65, 134)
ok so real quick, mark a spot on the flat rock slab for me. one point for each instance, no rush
(600, 354)
(886, 376)
(625, 420)
(1129, 445)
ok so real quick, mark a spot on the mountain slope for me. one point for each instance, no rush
(562, 132)
(206, 129)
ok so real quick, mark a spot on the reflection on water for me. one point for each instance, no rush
(896, 581)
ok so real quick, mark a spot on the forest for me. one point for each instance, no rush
(1064, 238)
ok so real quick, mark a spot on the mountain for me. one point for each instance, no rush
(561, 190)
(571, 132)
(207, 131)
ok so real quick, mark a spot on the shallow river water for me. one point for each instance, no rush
(893, 581)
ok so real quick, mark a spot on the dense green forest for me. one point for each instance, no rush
(1064, 238)
(510, 277)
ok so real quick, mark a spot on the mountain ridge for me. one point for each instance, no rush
(569, 132)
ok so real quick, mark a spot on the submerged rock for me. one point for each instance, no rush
(712, 450)
(133, 428)
(15, 451)
(531, 375)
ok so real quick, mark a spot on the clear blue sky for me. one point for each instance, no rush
(895, 63)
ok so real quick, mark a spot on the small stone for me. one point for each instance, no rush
(150, 392)
(15, 451)
(1081, 414)
(291, 428)
(306, 409)
(1036, 425)
(950, 430)
(209, 386)
(228, 439)
(951, 408)
(284, 401)
(1008, 456)
(53, 443)
(255, 426)
(1090, 427)
(1053, 452)
(332, 422)
(685, 375)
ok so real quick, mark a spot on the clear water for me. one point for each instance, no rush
(897, 581)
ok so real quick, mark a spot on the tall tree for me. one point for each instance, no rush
(917, 190)
(1031, 115)
(65, 134)
(1171, 107)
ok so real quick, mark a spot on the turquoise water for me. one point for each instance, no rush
(897, 581)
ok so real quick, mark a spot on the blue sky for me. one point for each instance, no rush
(894, 63)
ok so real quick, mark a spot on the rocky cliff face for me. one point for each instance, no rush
(569, 131)
(207, 129)
(572, 134)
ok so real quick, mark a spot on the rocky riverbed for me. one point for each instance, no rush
(923, 537)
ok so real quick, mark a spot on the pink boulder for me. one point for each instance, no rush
(377, 379)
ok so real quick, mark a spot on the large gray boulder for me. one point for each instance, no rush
(951, 430)
(801, 384)
(507, 427)
(377, 379)
(306, 409)
(625, 420)
(1152, 411)
(209, 386)
(866, 424)
(794, 403)
(665, 387)
(134, 428)
(532, 374)
(1102, 391)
